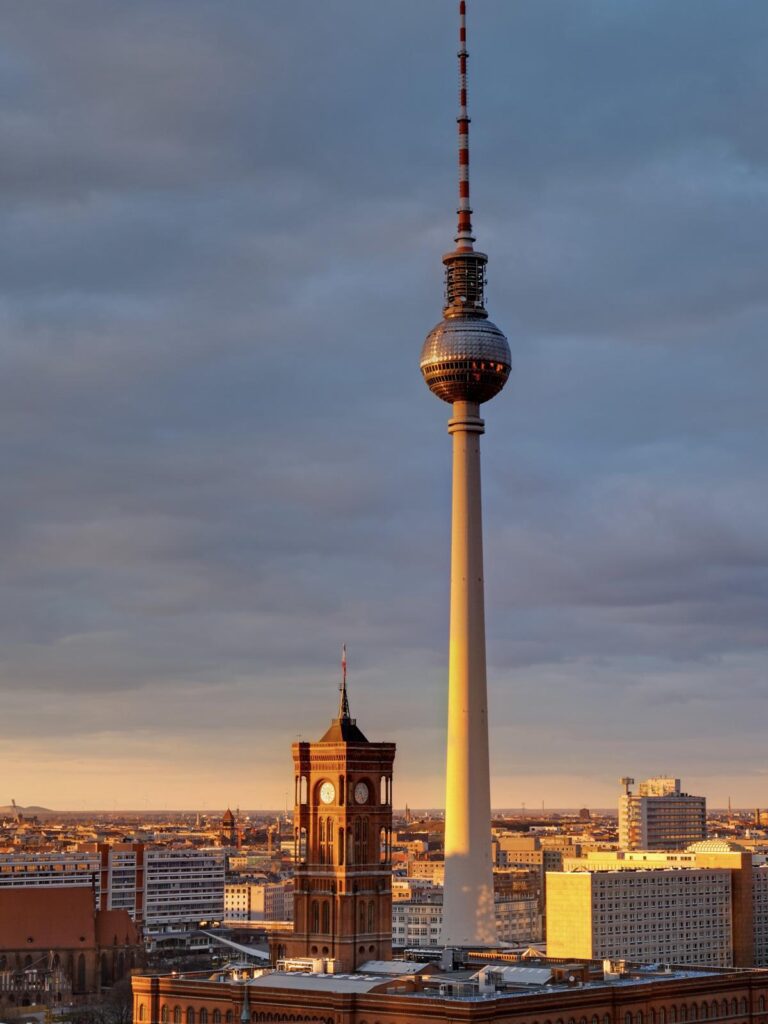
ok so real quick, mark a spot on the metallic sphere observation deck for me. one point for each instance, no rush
(465, 359)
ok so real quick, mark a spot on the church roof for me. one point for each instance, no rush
(42, 918)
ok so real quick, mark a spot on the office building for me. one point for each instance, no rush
(662, 905)
(257, 902)
(183, 889)
(659, 816)
(670, 915)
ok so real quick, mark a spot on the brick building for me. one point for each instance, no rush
(56, 948)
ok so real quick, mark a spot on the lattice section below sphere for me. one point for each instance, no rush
(465, 360)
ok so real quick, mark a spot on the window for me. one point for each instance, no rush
(164, 1013)
(177, 1015)
(326, 929)
(203, 1016)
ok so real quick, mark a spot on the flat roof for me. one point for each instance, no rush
(296, 980)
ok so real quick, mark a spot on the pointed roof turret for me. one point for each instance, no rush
(344, 729)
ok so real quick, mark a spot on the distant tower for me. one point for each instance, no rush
(228, 828)
(342, 903)
(466, 361)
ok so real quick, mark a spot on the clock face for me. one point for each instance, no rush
(361, 793)
(327, 792)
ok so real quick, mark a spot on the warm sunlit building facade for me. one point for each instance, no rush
(660, 816)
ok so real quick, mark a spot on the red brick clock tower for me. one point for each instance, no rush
(342, 824)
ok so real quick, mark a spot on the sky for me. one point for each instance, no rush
(222, 227)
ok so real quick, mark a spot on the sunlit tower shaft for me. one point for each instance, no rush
(465, 360)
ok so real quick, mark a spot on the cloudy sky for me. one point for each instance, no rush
(222, 227)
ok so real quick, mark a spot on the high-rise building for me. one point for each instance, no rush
(342, 901)
(660, 816)
(465, 361)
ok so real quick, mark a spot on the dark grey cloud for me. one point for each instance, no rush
(222, 231)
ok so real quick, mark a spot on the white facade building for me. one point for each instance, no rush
(418, 922)
(254, 902)
(183, 888)
(24, 869)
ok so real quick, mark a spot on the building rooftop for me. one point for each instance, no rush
(496, 978)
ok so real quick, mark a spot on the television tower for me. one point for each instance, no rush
(465, 360)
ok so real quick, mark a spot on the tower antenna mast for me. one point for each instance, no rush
(464, 238)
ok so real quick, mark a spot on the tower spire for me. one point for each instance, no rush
(344, 712)
(464, 237)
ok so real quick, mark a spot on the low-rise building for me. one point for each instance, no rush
(418, 921)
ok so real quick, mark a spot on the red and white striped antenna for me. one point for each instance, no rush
(464, 237)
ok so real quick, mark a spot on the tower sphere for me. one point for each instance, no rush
(465, 359)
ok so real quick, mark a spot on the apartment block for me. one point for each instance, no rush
(183, 888)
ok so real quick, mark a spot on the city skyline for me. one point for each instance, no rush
(218, 274)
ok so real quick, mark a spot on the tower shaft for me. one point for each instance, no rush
(468, 906)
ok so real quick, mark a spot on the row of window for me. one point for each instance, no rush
(189, 1016)
(674, 1015)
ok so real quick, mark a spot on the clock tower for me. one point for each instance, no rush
(342, 829)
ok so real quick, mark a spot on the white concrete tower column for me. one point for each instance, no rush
(468, 910)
